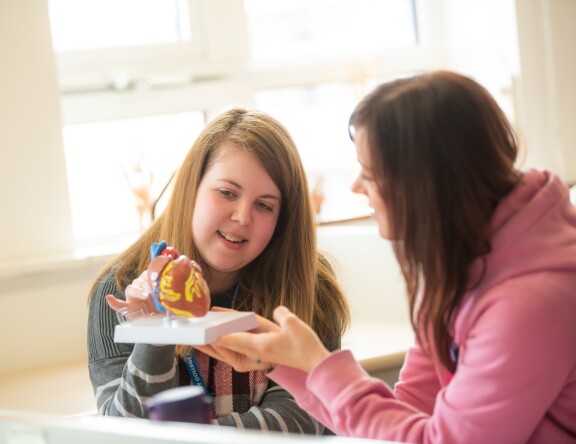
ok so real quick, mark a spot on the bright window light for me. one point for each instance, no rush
(304, 29)
(114, 166)
(317, 118)
(88, 24)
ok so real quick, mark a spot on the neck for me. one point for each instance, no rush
(219, 282)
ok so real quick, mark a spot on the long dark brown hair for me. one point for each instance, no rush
(290, 271)
(442, 154)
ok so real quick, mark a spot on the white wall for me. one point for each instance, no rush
(546, 90)
(33, 192)
(43, 316)
(368, 271)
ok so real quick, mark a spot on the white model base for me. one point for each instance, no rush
(164, 328)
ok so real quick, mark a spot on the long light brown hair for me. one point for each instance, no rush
(289, 271)
(442, 155)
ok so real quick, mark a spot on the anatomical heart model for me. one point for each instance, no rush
(182, 302)
(176, 282)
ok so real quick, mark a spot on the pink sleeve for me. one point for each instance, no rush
(418, 384)
(294, 381)
(360, 405)
(502, 389)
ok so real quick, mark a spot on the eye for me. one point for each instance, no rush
(226, 194)
(263, 206)
(366, 174)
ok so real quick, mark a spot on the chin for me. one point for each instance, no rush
(383, 232)
(229, 268)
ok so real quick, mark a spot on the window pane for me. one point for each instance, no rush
(113, 163)
(317, 118)
(305, 29)
(89, 24)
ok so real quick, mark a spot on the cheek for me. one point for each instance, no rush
(382, 209)
(266, 229)
(204, 211)
(197, 228)
(373, 196)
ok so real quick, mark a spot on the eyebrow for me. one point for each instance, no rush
(237, 185)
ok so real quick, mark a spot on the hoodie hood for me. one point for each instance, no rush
(533, 230)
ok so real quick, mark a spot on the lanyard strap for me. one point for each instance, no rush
(234, 296)
(190, 360)
(194, 372)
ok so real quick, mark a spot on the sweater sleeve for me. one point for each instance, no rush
(358, 404)
(123, 376)
(277, 412)
(294, 381)
(418, 384)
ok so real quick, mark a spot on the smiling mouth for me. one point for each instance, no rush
(230, 238)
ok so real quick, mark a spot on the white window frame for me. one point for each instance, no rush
(208, 54)
(218, 75)
(214, 72)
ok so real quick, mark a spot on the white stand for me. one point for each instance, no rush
(160, 329)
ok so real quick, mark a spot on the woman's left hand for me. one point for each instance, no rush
(138, 301)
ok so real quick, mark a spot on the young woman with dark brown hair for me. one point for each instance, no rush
(488, 253)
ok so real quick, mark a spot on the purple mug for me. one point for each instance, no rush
(183, 404)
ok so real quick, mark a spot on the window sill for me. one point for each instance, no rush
(87, 258)
(360, 218)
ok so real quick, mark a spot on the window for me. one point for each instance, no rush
(126, 44)
(139, 78)
(118, 168)
(304, 30)
(80, 25)
(317, 118)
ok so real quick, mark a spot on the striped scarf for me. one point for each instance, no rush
(232, 391)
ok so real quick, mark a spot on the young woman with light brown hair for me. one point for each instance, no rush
(240, 207)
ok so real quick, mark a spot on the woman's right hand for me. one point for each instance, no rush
(239, 361)
(290, 342)
(138, 301)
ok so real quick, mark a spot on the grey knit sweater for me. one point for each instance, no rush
(124, 376)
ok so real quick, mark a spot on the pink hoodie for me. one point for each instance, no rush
(516, 334)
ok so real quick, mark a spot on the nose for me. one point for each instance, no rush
(357, 186)
(242, 214)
